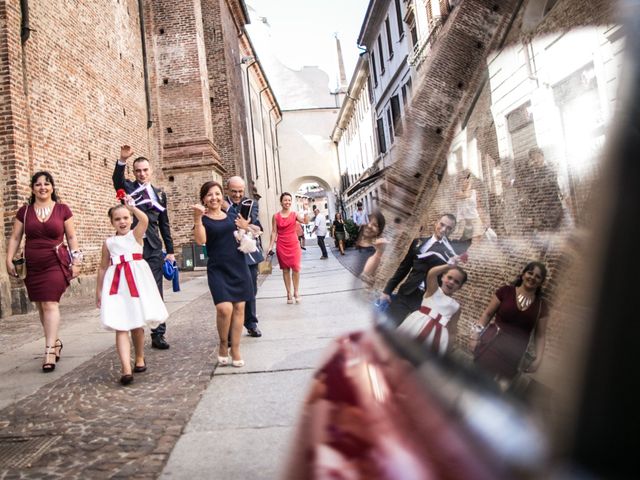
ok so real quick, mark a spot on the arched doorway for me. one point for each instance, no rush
(310, 192)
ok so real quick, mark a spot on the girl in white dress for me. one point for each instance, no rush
(126, 291)
(437, 319)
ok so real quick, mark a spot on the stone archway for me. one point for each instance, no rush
(296, 183)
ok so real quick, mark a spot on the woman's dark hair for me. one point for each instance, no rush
(204, 189)
(529, 268)
(285, 194)
(335, 217)
(113, 209)
(377, 214)
(34, 179)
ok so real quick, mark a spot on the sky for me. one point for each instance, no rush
(302, 32)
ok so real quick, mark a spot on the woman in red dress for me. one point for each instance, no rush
(45, 222)
(283, 235)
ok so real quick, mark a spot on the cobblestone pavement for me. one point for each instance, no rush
(100, 429)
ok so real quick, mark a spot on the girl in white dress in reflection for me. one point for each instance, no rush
(437, 319)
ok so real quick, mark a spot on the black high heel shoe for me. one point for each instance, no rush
(58, 346)
(48, 366)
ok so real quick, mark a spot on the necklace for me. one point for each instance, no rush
(523, 301)
(42, 212)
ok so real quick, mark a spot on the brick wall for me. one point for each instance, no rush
(76, 91)
(517, 202)
(222, 27)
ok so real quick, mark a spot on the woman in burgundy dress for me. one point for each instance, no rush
(283, 235)
(45, 222)
(519, 310)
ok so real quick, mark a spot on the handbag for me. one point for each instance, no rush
(265, 267)
(64, 259)
(20, 263)
(487, 337)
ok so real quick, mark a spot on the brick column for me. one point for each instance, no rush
(189, 155)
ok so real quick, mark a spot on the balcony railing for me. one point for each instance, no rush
(422, 48)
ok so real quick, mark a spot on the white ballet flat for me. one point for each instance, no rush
(223, 361)
(237, 363)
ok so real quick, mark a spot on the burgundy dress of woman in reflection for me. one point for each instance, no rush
(518, 310)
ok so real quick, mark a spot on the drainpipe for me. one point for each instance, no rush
(145, 69)
(253, 134)
(264, 143)
(266, 165)
(278, 152)
(25, 31)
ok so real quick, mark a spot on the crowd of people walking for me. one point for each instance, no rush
(129, 290)
(418, 297)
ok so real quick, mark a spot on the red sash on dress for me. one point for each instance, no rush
(128, 274)
(428, 328)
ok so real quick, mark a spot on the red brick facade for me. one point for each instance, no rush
(453, 93)
(75, 91)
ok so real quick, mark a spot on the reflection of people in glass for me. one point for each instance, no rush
(411, 274)
(519, 310)
(470, 221)
(371, 244)
(437, 320)
(538, 194)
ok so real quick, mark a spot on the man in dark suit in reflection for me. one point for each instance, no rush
(153, 203)
(424, 254)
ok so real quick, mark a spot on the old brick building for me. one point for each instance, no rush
(517, 99)
(79, 79)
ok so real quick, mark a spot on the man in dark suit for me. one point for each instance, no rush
(236, 199)
(424, 254)
(153, 202)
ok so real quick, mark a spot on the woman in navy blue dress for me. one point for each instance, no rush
(227, 271)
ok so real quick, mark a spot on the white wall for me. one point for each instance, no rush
(306, 152)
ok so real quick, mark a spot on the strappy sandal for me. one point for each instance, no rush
(48, 366)
(58, 346)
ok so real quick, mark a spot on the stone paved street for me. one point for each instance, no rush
(94, 428)
(105, 430)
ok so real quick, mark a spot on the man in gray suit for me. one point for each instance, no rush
(249, 210)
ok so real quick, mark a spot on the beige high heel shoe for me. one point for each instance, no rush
(236, 363)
